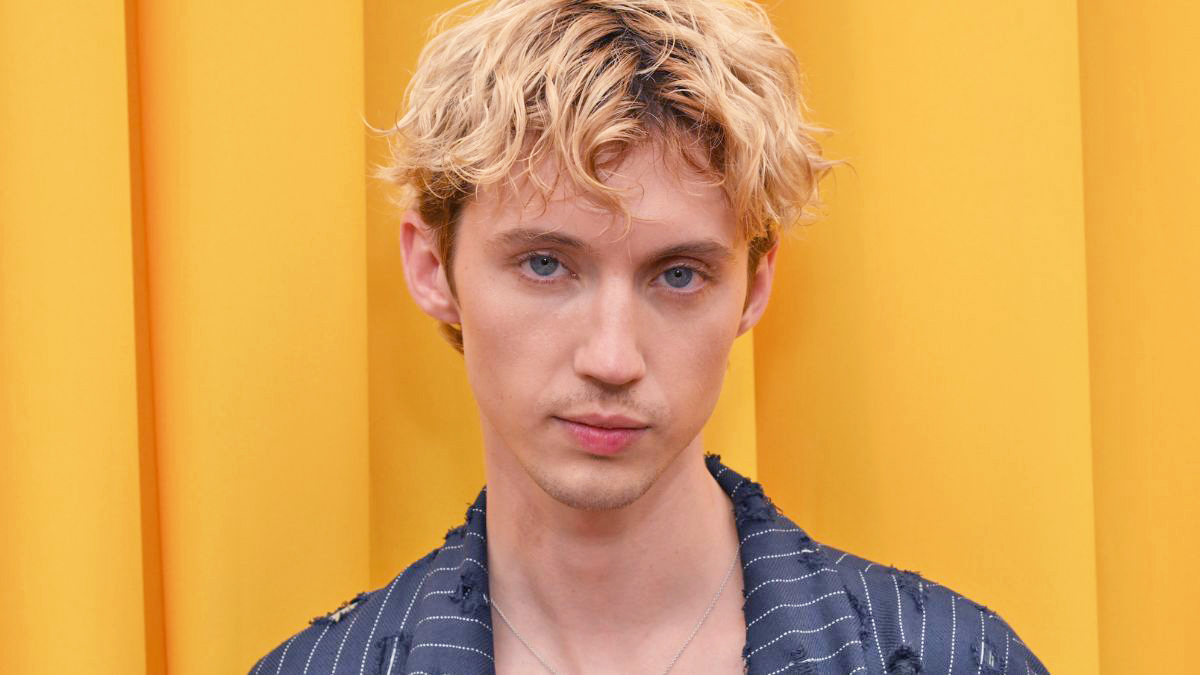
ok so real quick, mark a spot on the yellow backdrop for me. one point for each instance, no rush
(220, 414)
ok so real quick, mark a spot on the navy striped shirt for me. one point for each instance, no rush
(809, 609)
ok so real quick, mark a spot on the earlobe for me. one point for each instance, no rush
(759, 291)
(424, 272)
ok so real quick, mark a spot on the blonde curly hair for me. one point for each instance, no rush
(503, 86)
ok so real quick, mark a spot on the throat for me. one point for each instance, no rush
(598, 588)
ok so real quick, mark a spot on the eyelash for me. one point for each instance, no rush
(533, 278)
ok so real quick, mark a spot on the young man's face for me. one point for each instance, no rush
(597, 356)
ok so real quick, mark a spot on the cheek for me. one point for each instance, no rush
(690, 364)
(507, 347)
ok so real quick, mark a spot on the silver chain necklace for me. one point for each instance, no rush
(708, 610)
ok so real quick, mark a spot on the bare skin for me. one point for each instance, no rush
(603, 556)
(616, 594)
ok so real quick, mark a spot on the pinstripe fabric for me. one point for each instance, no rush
(809, 609)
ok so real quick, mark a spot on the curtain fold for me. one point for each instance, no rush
(251, 137)
(71, 565)
(221, 414)
(926, 404)
(1140, 106)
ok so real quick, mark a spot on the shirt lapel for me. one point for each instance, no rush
(798, 617)
(450, 626)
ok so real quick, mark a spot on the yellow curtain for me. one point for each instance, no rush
(928, 401)
(221, 415)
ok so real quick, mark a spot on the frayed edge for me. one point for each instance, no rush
(864, 635)
(991, 666)
(751, 504)
(811, 555)
(904, 661)
(471, 593)
(341, 612)
(713, 462)
(404, 641)
(910, 584)
(455, 533)
(470, 514)
(798, 662)
(398, 652)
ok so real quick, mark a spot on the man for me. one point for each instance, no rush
(596, 191)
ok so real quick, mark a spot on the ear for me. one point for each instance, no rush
(759, 291)
(424, 272)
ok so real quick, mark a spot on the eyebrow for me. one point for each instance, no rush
(526, 235)
(700, 248)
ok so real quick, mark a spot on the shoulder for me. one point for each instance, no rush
(355, 637)
(911, 620)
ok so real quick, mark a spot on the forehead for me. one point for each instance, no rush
(660, 196)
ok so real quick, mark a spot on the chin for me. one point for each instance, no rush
(595, 485)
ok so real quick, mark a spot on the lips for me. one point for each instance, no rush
(605, 435)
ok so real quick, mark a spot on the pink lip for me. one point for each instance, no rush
(609, 439)
(606, 421)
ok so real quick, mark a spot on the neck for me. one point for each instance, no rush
(571, 576)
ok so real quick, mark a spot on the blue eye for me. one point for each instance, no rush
(543, 265)
(678, 277)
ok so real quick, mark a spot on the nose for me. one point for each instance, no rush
(609, 352)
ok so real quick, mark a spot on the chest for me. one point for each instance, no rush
(716, 649)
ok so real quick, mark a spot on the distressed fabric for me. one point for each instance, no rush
(810, 609)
